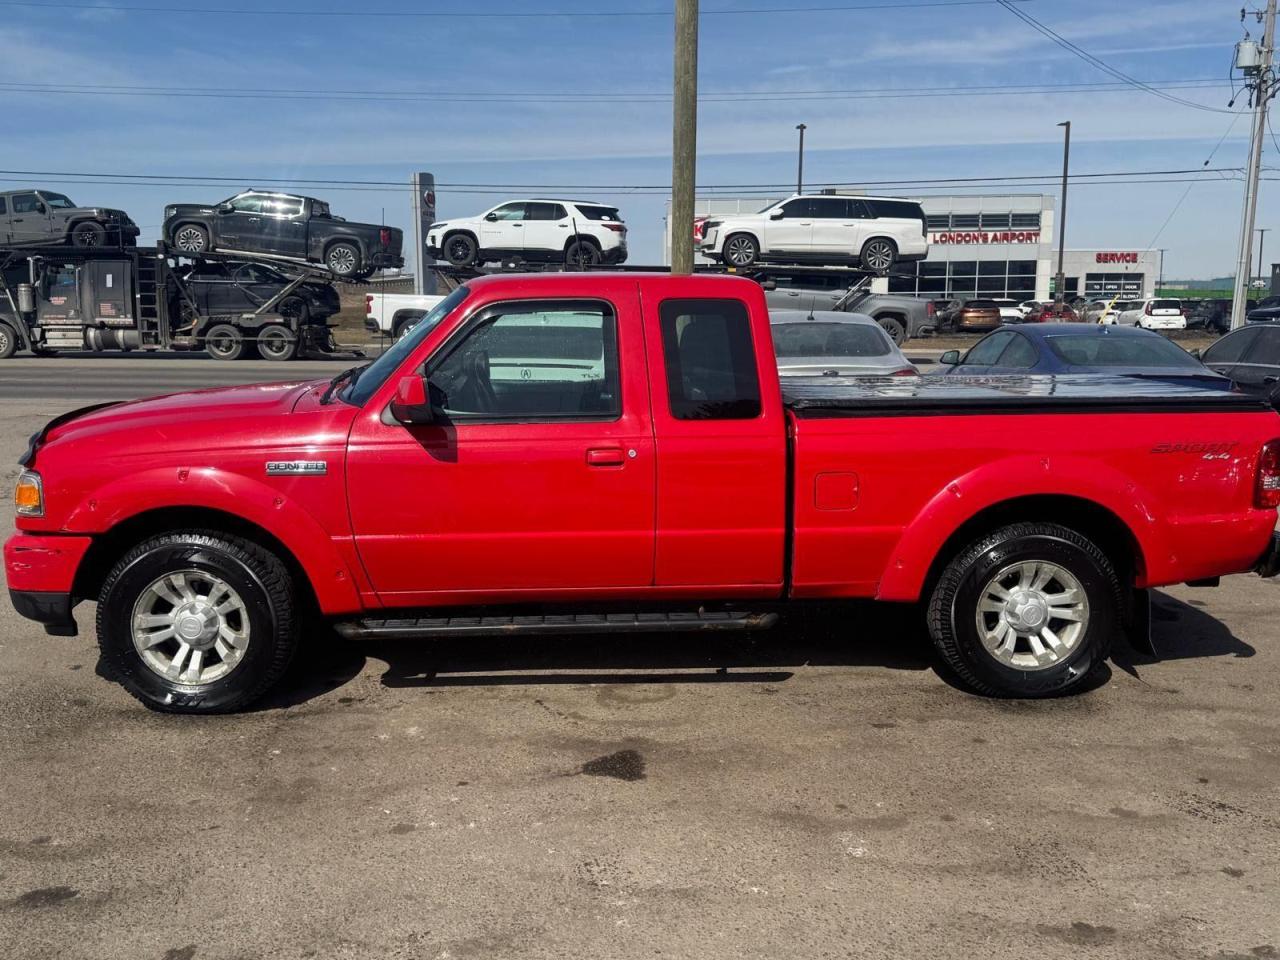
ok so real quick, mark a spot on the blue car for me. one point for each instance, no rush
(1077, 348)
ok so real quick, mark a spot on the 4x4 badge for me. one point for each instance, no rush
(304, 468)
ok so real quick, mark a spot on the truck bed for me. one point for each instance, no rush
(819, 397)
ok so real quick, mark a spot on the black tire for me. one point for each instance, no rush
(954, 605)
(261, 582)
(879, 254)
(277, 343)
(461, 249)
(8, 341)
(224, 342)
(191, 238)
(740, 250)
(895, 328)
(343, 260)
(88, 234)
(581, 253)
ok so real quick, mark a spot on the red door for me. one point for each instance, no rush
(541, 480)
(722, 470)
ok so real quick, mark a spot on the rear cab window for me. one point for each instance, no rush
(710, 360)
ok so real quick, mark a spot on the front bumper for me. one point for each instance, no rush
(41, 573)
(1268, 564)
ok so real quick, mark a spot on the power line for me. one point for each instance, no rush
(514, 15)
(727, 96)
(1089, 58)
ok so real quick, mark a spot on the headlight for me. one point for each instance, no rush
(169, 212)
(28, 495)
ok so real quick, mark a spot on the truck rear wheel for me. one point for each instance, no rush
(88, 234)
(224, 342)
(895, 328)
(197, 622)
(8, 341)
(1029, 610)
(277, 343)
(343, 260)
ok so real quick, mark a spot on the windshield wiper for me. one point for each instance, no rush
(350, 375)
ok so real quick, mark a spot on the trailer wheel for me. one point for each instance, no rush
(8, 341)
(88, 234)
(190, 238)
(342, 259)
(277, 343)
(224, 342)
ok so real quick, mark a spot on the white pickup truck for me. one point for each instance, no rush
(392, 314)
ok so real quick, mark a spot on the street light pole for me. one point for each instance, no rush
(800, 164)
(684, 136)
(1060, 283)
(1262, 88)
(1262, 235)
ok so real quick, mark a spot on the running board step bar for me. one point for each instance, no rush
(675, 622)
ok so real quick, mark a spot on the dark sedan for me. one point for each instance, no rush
(1077, 348)
(1250, 357)
(234, 288)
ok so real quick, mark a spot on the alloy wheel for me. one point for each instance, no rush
(190, 627)
(1031, 615)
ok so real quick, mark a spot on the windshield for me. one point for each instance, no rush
(1105, 351)
(816, 339)
(377, 372)
(57, 200)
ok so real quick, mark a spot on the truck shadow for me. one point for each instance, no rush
(852, 635)
(1181, 630)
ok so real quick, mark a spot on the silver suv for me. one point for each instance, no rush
(874, 232)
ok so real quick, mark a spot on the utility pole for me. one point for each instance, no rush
(1060, 284)
(684, 136)
(1262, 88)
(1160, 282)
(800, 166)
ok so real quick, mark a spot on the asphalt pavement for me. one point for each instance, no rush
(820, 791)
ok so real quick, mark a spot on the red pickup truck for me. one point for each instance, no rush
(597, 453)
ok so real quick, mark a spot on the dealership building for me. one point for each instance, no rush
(996, 246)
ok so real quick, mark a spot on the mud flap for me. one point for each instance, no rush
(1137, 622)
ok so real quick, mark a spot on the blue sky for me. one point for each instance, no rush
(749, 140)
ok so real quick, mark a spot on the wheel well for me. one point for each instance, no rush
(581, 238)
(741, 233)
(173, 231)
(71, 225)
(109, 547)
(349, 241)
(889, 240)
(1111, 534)
(454, 233)
(401, 317)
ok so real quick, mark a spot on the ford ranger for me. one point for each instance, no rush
(597, 453)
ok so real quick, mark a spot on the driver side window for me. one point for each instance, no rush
(986, 352)
(532, 361)
(247, 204)
(797, 209)
(510, 211)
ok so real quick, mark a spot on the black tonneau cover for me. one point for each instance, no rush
(817, 397)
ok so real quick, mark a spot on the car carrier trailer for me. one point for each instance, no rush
(139, 299)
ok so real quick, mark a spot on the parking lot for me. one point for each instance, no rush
(819, 791)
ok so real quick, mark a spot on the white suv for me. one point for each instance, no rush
(1159, 314)
(873, 231)
(564, 231)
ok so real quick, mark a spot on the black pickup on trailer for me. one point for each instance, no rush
(149, 298)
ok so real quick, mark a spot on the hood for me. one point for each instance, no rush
(176, 421)
(106, 213)
(176, 208)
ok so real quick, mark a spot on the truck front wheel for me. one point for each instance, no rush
(1029, 610)
(190, 238)
(88, 234)
(197, 622)
(8, 341)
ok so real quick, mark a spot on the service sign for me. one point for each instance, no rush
(950, 237)
(1116, 256)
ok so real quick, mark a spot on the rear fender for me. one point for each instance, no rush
(990, 485)
(332, 576)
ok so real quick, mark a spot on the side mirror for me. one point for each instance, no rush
(225, 208)
(776, 215)
(1195, 352)
(411, 405)
(950, 359)
(769, 285)
(41, 208)
(491, 217)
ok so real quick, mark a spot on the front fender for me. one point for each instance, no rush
(332, 576)
(990, 485)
